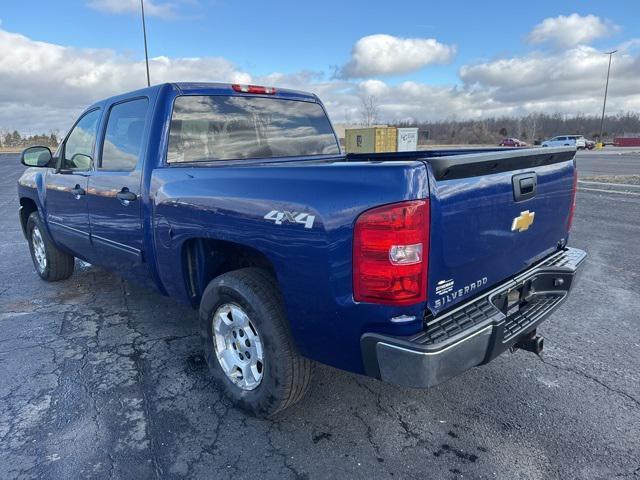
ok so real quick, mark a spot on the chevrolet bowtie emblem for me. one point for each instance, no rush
(523, 221)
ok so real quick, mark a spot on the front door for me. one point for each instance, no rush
(114, 190)
(66, 195)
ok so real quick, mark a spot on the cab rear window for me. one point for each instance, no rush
(217, 127)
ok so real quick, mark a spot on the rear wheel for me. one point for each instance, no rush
(247, 343)
(51, 263)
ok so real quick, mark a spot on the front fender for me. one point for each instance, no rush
(32, 190)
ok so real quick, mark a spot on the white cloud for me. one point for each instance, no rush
(36, 75)
(45, 86)
(559, 81)
(388, 55)
(151, 8)
(569, 31)
(569, 82)
(376, 88)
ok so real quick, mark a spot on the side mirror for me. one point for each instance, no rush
(36, 157)
(80, 161)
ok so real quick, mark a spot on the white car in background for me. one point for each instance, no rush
(566, 140)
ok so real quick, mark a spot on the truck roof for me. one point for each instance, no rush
(204, 88)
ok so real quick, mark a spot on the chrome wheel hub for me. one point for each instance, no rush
(39, 251)
(238, 346)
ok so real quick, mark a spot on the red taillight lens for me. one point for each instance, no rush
(391, 254)
(254, 89)
(572, 209)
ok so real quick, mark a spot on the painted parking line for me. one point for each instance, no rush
(609, 184)
(608, 191)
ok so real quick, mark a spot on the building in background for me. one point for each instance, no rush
(378, 139)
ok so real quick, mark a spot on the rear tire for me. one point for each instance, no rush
(251, 306)
(51, 263)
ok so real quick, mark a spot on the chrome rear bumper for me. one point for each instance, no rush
(475, 332)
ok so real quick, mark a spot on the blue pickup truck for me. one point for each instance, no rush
(410, 267)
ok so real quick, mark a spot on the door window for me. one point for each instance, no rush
(123, 138)
(79, 145)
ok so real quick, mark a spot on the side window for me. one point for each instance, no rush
(123, 138)
(79, 144)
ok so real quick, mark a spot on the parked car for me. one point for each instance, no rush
(410, 267)
(566, 140)
(590, 144)
(581, 142)
(512, 142)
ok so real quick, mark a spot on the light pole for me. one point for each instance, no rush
(606, 88)
(146, 55)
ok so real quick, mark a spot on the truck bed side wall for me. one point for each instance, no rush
(313, 265)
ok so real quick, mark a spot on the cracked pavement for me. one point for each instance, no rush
(102, 379)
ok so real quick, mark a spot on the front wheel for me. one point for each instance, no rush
(247, 343)
(51, 263)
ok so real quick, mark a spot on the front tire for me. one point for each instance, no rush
(51, 263)
(247, 343)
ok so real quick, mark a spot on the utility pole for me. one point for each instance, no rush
(146, 54)
(604, 104)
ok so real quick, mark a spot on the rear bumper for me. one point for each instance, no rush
(476, 332)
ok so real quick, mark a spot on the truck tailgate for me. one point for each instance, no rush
(493, 215)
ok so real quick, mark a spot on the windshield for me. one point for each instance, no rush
(205, 128)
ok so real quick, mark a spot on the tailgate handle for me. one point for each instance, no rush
(524, 186)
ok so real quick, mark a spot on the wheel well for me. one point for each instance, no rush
(203, 259)
(27, 207)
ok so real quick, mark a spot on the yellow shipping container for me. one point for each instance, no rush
(371, 140)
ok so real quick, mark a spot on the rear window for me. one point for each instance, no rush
(206, 128)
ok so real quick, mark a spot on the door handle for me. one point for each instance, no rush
(78, 190)
(125, 195)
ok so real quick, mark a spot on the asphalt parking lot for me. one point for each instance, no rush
(609, 161)
(101, 379)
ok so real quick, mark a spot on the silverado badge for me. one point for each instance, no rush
(523, 221)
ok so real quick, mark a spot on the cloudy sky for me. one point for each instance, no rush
(420, 59)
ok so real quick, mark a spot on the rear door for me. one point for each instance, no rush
(487, 227)
(115, 185)
(66, 199)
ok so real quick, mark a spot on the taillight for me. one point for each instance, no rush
(254, 89)
(391, 254)
(574, 188)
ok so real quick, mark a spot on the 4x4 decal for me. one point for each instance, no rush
(280, 217)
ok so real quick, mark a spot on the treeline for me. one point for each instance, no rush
(16, 140)
(532, 128)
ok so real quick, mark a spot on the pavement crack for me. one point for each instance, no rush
(285, 459)
(136, 356)
(593, 379)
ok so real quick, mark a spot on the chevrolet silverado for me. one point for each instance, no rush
(410, 267)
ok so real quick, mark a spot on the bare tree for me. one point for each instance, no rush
(530, 126)
(369, 110)
(534, 126)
